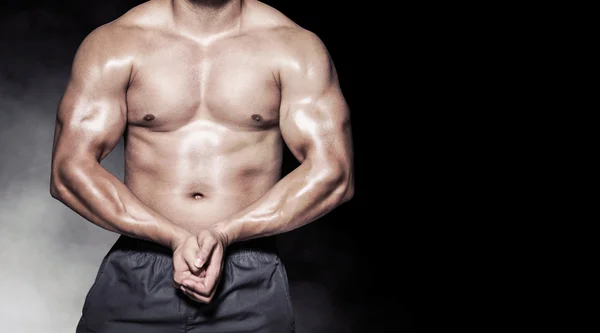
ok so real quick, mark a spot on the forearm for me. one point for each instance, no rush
(305, 194)
(100, 197)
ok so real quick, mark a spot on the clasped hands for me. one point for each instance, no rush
(197, 264)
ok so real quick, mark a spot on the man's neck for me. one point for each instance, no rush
(207, 17)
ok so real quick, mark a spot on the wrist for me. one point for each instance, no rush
(178, 236)
(228, 230)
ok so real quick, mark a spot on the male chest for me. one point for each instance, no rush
(231, 82)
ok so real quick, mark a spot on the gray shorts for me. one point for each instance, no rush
(134, 293)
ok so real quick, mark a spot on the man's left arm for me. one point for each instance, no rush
(315, 125)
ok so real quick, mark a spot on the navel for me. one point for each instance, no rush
(197, 195)
(256, 117)
(149, 117)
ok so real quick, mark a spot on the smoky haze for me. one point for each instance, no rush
(50, 255)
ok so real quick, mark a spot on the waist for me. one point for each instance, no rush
(258, 246)
(193, 203)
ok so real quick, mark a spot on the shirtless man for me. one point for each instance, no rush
(205, 93)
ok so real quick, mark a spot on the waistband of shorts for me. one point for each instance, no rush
(257, 246)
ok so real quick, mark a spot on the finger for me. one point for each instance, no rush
(198, 286)
(179, 266)
(194, 295)
(190, 294)
(195, 286)
(189, 255)
(213, 272)
(207, 243)
(180, 277)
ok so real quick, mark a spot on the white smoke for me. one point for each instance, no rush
(49, 254)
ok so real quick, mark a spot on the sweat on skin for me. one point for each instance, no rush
(203, 149)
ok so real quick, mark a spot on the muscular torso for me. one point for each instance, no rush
(202, 139)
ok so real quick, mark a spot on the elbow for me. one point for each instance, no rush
(62, 174)
(349, 190)
(346, 188)
(54, 192)
(59, 190)
(340, 181)
(57, 187)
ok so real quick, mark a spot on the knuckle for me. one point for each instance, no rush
(195, 297)
(178, 278)
(190, 257)
(190, 251)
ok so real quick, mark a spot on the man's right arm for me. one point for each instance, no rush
(91, 119)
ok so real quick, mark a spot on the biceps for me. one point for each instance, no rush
(318, 128)
(88, 126)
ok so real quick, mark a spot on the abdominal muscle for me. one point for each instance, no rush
(197, 179)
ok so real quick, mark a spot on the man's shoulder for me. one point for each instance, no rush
(261, 15)
(124, 35)
(299, 46)
(142, 19)
(290, 38)
(149, 15)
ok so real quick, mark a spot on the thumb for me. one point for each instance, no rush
(206, 248)
(189, 255)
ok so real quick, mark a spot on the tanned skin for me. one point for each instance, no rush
(209, 92)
